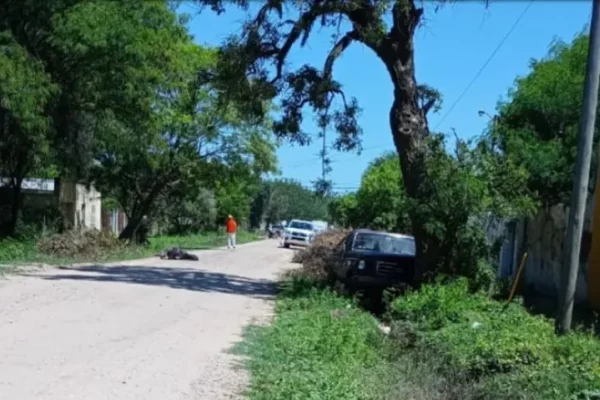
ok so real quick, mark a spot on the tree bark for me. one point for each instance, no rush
(138, 213)
(131, 228)
(16, 206)
(10, 227)
(134, 222)
(408, 124)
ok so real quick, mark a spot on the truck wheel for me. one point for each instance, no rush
(286, 245)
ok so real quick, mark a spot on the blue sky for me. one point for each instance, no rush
(451, 47)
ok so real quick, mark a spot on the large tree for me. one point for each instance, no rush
(538, 123)
(380, 198)
(261, 50)
(88, 66)
(188, 141)
(25, 91)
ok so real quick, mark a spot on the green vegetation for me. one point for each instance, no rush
(23, 252)
(472, 185)
(285, 199)
(537, 125)
(445, 343)
(503, 350)
(179, 135)
(118, 95)
(319, 347)
(379, 203)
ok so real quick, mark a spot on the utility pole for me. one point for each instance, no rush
(582, 177)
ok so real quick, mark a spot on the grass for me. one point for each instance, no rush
(501, 352)
(319, 347)
(25, 252)
(445, 343)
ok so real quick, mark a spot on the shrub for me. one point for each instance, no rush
(435, 306)
(505, 347)
(76, 243)
(16, 250)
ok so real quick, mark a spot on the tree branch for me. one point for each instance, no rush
(427, 106)
(405, 17)
(336, 51)
(302, 25)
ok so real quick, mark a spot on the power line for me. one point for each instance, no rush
(484, 66)
(314, 159)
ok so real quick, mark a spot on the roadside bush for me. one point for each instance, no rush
(13, 249)
(77, 243)
(317, 258)
(506, 348)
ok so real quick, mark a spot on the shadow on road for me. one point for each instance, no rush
(176, 278)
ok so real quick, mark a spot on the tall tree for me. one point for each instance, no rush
(107, 60)
(270, 36)
(190, 140)
(25, 91)
(538, 123)
(381, 198)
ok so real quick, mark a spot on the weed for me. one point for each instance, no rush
(91, 246)
(320, 346)
(504, 350)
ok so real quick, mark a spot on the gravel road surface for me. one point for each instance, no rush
(146, 329)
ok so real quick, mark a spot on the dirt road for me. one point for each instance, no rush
(144, 330)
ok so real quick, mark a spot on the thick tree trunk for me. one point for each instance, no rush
(16, 201)
(409, 127)
(131, 228)
(409, 130)
(134, 224)
(15, 208)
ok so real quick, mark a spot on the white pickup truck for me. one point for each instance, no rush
(298, 233)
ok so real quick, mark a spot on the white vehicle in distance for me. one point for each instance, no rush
(298, 233)
(319, 226)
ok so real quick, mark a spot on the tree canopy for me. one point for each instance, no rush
(285, 199)
(379, 202)
(538, 123)
(117, 94)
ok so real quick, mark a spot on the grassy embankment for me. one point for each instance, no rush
(74, 248)
(445, 343)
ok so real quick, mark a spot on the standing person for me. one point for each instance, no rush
(231, 231)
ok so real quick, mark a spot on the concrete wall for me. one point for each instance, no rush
(88, 205)
(543, 237)
(80, 206)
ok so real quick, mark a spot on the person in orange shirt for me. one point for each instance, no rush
(231, 231)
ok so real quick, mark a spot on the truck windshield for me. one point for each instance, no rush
(301, 225)
(383, 243)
